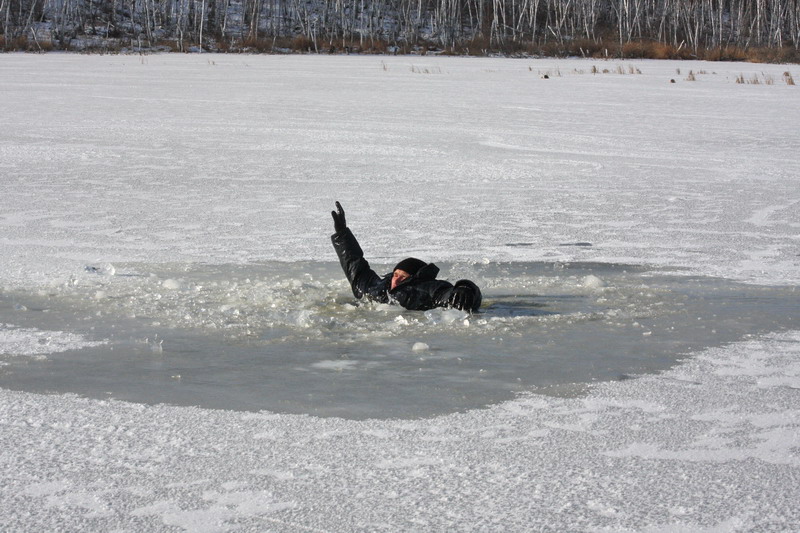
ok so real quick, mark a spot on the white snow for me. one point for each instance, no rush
(112, 159)
(33, 342)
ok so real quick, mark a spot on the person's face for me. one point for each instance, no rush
(398, 277)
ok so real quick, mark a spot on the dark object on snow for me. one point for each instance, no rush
(420, 292)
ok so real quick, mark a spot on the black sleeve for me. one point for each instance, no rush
(424, 295)
(357, 270)
(437, 293)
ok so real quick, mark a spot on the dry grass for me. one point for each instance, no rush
(547, 74)
(23, 43)
(726, 53)
(653, 50)
(766, 79)
(589, 48)
(425, 70)
(656, 50)
(261, 45)
(302, 43)
(477, 46)
(606, 46)
(619, 69)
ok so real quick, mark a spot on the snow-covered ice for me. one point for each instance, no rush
(113, 160)
(15, 341)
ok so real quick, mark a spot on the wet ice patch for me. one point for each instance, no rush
(446, 316)
(290, 337)
(337, 366)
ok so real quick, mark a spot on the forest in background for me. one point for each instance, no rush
(760, 30)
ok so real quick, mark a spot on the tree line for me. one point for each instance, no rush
(589, 27)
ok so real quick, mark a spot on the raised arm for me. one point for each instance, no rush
(357, 270)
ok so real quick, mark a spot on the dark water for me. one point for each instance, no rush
(289, 337)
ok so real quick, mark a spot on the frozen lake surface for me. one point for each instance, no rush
(179, 173)
(290, 338)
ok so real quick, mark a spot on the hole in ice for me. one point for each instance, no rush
(290, 337)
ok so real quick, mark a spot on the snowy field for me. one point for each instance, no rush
(120, 160)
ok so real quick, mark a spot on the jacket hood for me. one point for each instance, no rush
(426, 273)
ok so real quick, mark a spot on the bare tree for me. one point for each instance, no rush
(696, 24)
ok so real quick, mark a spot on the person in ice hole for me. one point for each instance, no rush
(412, 282)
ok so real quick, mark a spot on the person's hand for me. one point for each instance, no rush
(466, 296)
(339, 223)
(462, 298)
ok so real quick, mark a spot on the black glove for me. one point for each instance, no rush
(339, 223)
(466, 296)
(461, 298)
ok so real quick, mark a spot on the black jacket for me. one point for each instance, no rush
(420, 292)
